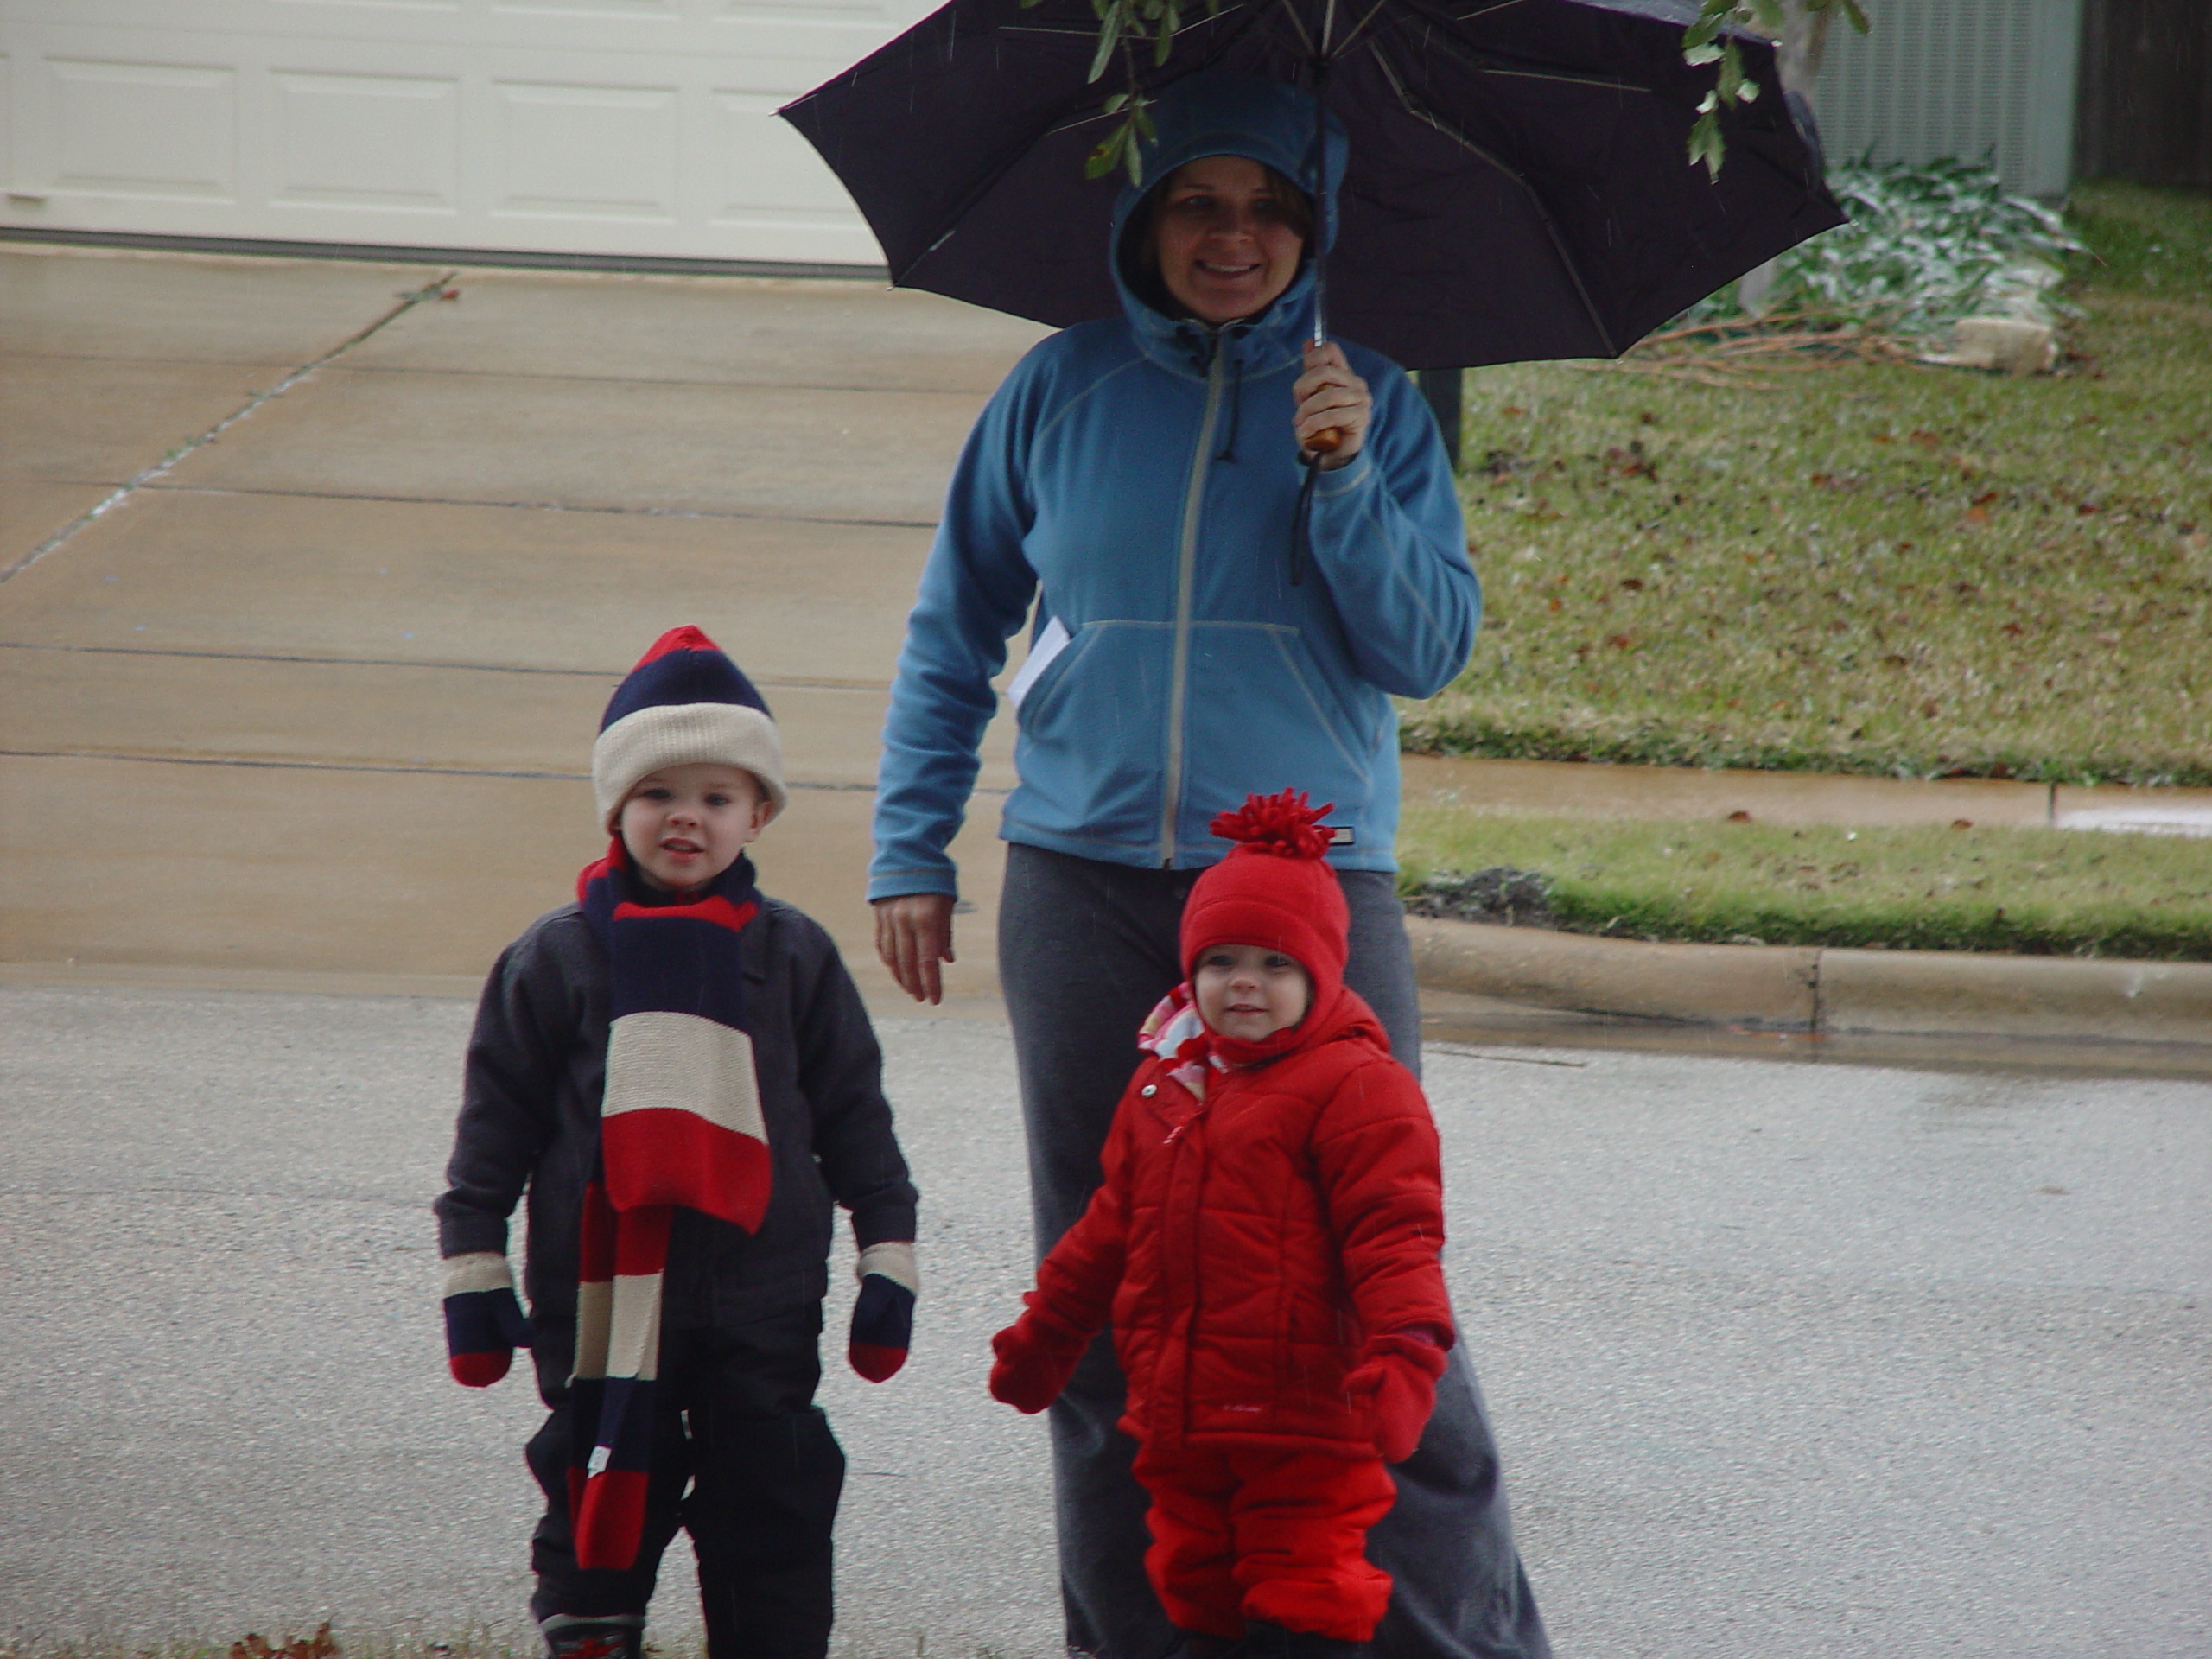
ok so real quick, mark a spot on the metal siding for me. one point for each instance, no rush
(1960, 79)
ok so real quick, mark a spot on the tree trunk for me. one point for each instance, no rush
(1804, 38)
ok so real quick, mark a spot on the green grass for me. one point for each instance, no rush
(2144, 240)
(2035, 891)
(1866, 567)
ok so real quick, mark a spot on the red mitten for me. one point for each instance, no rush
(1394, 1384)
(1037, 1354)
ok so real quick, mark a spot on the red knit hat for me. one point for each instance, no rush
(1274, 890)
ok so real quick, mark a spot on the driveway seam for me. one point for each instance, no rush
(138, 480)
(789, 681)
(541, 506)
(259, 764)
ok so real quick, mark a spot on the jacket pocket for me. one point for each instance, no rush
(1091, 742)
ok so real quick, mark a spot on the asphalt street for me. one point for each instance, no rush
(1786, 1359)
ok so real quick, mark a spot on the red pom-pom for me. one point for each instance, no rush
(1283, 824)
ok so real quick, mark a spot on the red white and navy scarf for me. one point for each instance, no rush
(680, 1125)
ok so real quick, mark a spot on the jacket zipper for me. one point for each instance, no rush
(1179, 672)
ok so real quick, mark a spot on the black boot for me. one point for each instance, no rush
(1266, 1641)
(587, 1636)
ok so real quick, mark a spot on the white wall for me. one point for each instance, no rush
(601, 126)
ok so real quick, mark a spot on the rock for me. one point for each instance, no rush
(2005, 344)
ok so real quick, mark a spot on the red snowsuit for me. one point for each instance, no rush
(1244, 1246)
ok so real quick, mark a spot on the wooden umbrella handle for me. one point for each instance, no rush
(1326, 442)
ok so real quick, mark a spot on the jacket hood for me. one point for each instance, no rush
(1217, 113)
(1346, 1014)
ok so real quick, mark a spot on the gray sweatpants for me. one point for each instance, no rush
(1085, 950)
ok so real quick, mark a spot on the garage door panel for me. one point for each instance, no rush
(119, 128)
(642, 127)
(355, 141)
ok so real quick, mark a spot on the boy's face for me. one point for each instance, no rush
(683, 826)
(1248, 992)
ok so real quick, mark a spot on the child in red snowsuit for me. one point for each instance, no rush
(1265, 1246)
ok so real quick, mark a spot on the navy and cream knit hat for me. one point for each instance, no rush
(685, 703)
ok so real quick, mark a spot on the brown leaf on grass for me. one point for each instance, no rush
(1739, 817)
(1893, 661)
(1925, 438)
(1632, 584)
(1961, 823)
(1621, 641)
(2012, 628)
(1976, 515)
(321, 1646)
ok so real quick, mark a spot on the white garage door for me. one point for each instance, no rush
(626, 127)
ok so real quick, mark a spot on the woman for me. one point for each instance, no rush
(1138, 479)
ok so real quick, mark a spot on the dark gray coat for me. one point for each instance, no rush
(530, 1118)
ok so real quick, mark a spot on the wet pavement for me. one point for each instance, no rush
(1784, 1360)
(1678, 793)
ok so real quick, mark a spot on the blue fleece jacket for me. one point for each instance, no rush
(1136, 477)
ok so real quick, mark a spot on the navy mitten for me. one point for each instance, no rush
(485, 1323)
(883, 1313)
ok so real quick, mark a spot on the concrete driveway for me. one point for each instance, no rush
(1787, 1361)
(318, 686)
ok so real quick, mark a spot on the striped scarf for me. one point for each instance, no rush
(680, 1125)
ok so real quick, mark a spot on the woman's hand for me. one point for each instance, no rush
(1329, 395)
(913, 934)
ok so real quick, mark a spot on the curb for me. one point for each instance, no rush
(1816, 989)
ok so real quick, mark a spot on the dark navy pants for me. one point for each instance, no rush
(1085, 950)
(742, 1460)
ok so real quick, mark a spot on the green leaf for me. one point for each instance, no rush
(1768, 14)
(1705, 142)
(1101, 160)
(1856, 14)
(1731, 72)
(1700, 32)
(1696, 55)
(1115, 102)
(1109, 36)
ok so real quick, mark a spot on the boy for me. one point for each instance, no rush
(1265, 1246)
(681, 1074)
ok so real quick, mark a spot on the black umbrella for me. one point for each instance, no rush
(1518, 186)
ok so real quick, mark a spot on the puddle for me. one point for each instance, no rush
(2146, 820)
(1476, 1033)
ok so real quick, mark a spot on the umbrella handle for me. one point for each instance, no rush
(1326, 442)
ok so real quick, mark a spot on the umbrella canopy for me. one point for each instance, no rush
(1517, 186)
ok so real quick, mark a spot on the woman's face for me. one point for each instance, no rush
(1226, 246)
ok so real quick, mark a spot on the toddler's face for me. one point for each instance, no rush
(683, 826)
(1248, 992)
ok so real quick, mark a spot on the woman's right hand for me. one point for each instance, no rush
(913, 934)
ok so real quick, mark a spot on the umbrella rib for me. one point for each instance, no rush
(1444, 22)
(1420, 111)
